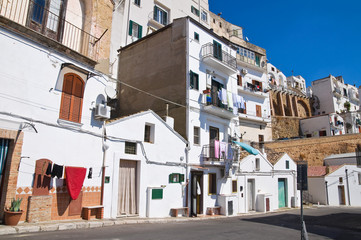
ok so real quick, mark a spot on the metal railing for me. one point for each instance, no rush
(254, 114)
(213, 99)
(251, 61)
(208, 50)
(40, 19)
(223, 152)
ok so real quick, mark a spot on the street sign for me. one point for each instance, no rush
(302, 176)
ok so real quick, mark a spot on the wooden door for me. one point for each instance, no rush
(341, 195)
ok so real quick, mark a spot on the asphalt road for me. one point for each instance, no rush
(322, 223)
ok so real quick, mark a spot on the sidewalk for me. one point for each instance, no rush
(25, 227)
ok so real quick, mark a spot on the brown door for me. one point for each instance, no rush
(267, 205)
(258, 111)
(47, 17)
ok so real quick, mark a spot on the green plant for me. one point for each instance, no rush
(347, 105)
(15, 205)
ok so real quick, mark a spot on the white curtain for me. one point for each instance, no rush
(127, 204)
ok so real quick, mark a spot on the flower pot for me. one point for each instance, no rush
(12, 218)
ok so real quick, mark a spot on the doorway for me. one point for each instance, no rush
(282, 193)
(196, 193)
(127, 189)
(250, 194)
(341, 195)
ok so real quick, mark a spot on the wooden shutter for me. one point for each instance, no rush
(245, 108)
(72, 98)
(258, 111)
(130, 27)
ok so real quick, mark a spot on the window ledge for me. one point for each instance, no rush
(71, 124)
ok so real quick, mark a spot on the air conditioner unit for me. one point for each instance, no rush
(244, 71)
(102, 112)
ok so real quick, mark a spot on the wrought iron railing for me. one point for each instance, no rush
(42, 20)
(208, 50)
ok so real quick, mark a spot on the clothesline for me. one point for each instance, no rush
(232, 100)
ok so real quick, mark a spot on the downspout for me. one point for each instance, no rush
(187, 108)
(105, 147)
(348, 188)
(127, 30)
(326, 193)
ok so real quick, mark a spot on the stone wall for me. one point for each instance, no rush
(285, 127)
(314, 150)
(38, 209)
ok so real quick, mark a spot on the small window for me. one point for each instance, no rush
(257, 164)
(287, 164)
(160, 15)
(130, 148)
(359, 178)
(234, 186)
(204, 16)
(220, 24)
(212, 183)
(176, 178)
(196, 36)
(149, 133)
(195, 11)
(322, 133)
(340, 180)
(137, 2)
(239, 80)
(135, 30)
(196, 136)
(194, 80)
(214, 20)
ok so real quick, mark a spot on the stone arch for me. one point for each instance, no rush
(303, 108)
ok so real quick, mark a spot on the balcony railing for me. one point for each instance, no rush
(209, 50)
(217, 152)
(251, 61)
(214, 105)
(264, 115)
(42, 20)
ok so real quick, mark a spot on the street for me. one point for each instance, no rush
(321, 222)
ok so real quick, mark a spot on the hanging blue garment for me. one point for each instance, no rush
(4, 146)
(247, 147)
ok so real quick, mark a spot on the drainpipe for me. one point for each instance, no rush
(348, 188)
(187, 76)
(326, 193)
(105, 147)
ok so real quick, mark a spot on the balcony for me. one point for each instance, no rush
(221, 61)
(52, 26)
(256, 116)
(213, 105)
(252, 63)
(337, 92)
(254, 90)
(217, 153)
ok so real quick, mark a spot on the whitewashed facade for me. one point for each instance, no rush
(325, 125)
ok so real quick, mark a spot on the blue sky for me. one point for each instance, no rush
(312, 38)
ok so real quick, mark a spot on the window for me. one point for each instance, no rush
(243, 110)
(135, 30)
(160, 15)
(258, 111)
(239, 80)
(176, 178)
(322, 133)
(149, 133)
(130, 148)
(359, 178)
(257, 164)
(196, 136)
(212, 183)
(340, 180)
(287, 164)
(217, 50)
(194, 79)
(204, 16)
(38, 11)
(137, 2)
(196, 36)
(72, 98)
(234, 186)
(195, 11)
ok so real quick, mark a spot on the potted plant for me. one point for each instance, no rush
(13, 214)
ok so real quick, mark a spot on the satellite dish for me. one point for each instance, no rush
(110, 92)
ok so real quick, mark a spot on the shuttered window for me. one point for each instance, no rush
(258, 111)
(217, 50)
(72, 98)
(212, 183)
(135, 29)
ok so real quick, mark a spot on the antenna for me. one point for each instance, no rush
(247, 39)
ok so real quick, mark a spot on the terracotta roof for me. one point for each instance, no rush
(316, 171)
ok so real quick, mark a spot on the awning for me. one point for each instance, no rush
(247, 147)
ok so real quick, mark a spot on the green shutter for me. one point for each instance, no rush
(196, 82)
(181, 178)
(130, 27)
(140, 30)
(155, 13)
(157, 193)
(165, 18)
(192, 80)
(171, 178)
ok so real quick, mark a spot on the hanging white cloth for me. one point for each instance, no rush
(199, 191)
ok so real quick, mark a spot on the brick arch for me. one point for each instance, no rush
(303, 108)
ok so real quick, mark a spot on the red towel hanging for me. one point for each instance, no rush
(74, 180)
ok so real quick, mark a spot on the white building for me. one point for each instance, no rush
(147, 167)
(339, 186)
(134, 19)
(297, 82)
(277, 80)
(252, 82)
(324, 125)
